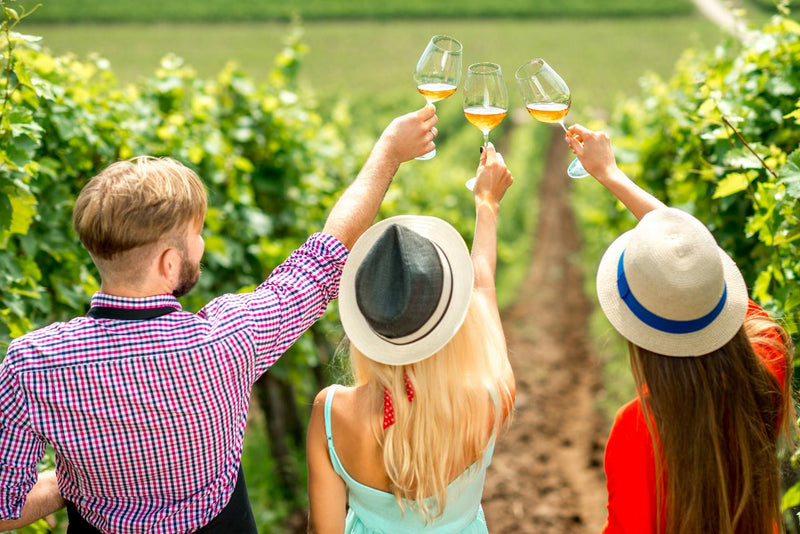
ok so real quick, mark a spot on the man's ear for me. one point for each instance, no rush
(169, 266)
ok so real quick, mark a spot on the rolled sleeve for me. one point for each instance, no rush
(317, 265)
(20, 448)
(288, 302)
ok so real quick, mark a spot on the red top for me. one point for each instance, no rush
(629, 461)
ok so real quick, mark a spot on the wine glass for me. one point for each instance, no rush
(438, 72)
(485, 100)
(547, 99)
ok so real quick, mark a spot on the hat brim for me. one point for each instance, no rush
(355, 325)
(703, 341)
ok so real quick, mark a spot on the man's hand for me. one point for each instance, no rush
(409, 136)
(406, 137)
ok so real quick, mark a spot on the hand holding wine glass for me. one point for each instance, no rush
(492, 178)
(485, 99)
(594, 151)
(438, 72)
(547, 99)
(408, 136)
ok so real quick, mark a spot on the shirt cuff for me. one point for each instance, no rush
(331, 255)
(326, 245)
(11, 503)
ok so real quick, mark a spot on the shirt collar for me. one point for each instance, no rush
(104, 300)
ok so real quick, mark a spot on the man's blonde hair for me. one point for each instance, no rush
(135, 203)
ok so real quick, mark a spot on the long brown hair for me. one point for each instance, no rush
(716, 421)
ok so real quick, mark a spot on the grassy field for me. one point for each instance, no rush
(249, 10)
(369, 60)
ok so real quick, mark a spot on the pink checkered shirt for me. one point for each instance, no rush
(147, 417)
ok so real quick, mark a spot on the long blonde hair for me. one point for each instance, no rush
(460, 400)
(716, 421)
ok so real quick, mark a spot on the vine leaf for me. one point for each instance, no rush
(5, 212)
(789, 175)
(733, 182)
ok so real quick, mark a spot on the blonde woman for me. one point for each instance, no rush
(697, 450)
(405, 449)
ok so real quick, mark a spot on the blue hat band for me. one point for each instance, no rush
(657, 322)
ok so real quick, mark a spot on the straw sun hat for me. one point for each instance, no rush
(405, 289)
(667, 287)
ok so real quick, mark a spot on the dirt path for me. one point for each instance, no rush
(546, 475)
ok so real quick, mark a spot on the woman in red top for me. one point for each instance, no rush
(697, 450)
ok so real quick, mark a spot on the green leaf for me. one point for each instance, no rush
(11, 14)
(38, 527)
(22, 76)
(789, 174)
(258, 221)
(14, 303)
(793, 115)
(780, 86)
(732, 183)
(216, 244)
(26, 38)
(6, 214)
(791, 498)
(758, 222)
(742, 158)
(23, 209)
(761, 287)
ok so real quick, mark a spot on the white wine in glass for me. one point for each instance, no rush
(547, 99)
(485, 100)
(438, 72)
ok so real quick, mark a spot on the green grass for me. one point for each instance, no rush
(249, 10)
(368, 60)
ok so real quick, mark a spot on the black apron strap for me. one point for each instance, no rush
(77, 524)
(236, 518)
(127, 314)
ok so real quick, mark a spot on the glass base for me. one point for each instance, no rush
(427, 156)
(471, 183)
(576, 170)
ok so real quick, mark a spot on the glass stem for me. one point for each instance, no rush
(562, 125)
(485, 139)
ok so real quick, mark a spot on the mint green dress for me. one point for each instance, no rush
(376, 512)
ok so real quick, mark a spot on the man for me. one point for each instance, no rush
(146, 404)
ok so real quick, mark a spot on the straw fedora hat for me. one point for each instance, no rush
(405, 289)
(667, 287)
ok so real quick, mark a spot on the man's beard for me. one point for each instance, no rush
(189, 276)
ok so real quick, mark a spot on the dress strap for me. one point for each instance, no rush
(488, 453)
(337, 465)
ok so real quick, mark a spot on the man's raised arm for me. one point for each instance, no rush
(405, 138)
